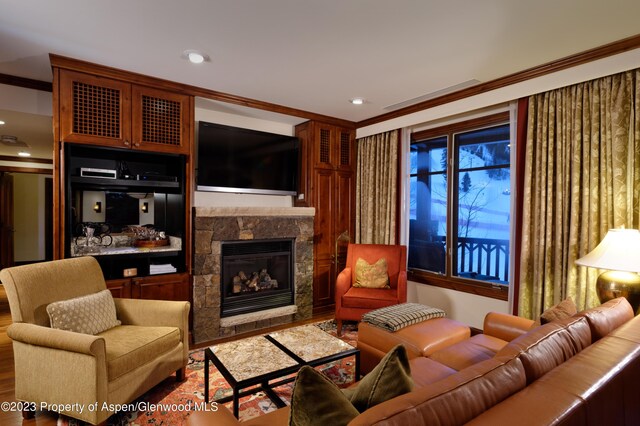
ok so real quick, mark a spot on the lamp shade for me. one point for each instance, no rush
(618, 251)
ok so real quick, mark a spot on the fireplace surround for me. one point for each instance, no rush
(216, 226)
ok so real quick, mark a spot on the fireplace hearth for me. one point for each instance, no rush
(256, 275)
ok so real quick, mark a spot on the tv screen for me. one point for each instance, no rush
(231, 159)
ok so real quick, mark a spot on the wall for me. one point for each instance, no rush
(467, 308)
(28, 217)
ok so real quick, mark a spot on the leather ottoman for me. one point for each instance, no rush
(420, 339)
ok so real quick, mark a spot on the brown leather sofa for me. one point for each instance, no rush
(583, 370)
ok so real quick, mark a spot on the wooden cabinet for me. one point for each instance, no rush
(327, 182)
(106, 118)
(108, 112)
(158, 287)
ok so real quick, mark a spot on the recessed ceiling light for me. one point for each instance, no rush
(24, 154)
(357, 101)
(194, 56)
(1, 123)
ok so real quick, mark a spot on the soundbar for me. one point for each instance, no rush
(98, 173)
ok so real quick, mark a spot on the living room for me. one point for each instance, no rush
(463, 299)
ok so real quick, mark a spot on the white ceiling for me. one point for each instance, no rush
(312, 55)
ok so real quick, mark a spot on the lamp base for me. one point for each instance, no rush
(612, 284)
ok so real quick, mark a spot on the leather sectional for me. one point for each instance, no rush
(583, 370)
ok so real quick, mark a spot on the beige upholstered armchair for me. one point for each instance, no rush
(84, 371)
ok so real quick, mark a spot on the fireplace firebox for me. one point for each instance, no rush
(256, 275)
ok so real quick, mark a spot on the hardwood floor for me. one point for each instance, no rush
(7, 376)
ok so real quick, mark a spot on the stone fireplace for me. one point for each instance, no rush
(231, 240)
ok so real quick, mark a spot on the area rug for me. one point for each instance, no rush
(171, 403)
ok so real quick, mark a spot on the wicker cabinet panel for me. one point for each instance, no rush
(160, 120)
(94, 110)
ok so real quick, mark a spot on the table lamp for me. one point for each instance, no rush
(619, 252)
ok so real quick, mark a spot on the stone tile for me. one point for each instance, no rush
(203, 242)
(243, 328)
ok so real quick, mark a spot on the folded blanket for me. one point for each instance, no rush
(393, 318)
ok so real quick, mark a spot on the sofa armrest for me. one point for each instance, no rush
(506, 327)
(53, 338)
(343, 284)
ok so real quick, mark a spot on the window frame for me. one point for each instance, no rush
(447, 280)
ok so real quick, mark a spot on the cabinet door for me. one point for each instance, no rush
(344, 150)
(324, 146)
(161, 120)
(344, 205)
(120, 288)
(323, 240)
(94, 110)
(162, 287)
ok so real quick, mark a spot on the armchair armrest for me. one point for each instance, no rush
(402, 286)
(64, 340)
(506, 327)
(343, 284)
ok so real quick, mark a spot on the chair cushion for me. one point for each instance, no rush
(90, 314)
(130, 346)
(371, 276)
(368, 298)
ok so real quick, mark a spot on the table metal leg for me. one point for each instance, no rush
(206, 377)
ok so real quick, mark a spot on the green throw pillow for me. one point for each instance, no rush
(390, 378)
(316, 400)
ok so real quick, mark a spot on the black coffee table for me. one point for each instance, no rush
(262, 363)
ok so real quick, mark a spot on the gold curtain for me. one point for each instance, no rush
(582, 177)
(376, 181)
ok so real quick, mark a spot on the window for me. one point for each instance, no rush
(460, 200)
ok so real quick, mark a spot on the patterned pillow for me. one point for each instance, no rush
(91, 314)
(371, 276)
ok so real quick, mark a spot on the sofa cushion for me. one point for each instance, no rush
(607, 317)
(454, 400)
(390, 378)
(316, 400)
(562, 310)
(89, 314)
(358, 297)
(130, 346)
(462, 355)
(371, 276)
(425, 371)
(548, 346)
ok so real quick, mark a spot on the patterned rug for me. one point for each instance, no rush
(169, 403)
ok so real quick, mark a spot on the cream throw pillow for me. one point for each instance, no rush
(91, 314)
(371, 276)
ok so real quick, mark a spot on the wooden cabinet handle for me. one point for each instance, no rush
(127, 143)
(136, 144)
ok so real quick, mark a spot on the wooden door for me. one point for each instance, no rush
(161, 120)
(94, 110)
(6, 220)
(323, 240)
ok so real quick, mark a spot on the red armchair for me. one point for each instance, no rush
(353, 302)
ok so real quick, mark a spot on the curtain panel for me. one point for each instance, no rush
(581, 178)
(376, 189)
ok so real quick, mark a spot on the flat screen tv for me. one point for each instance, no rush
(231, 159)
